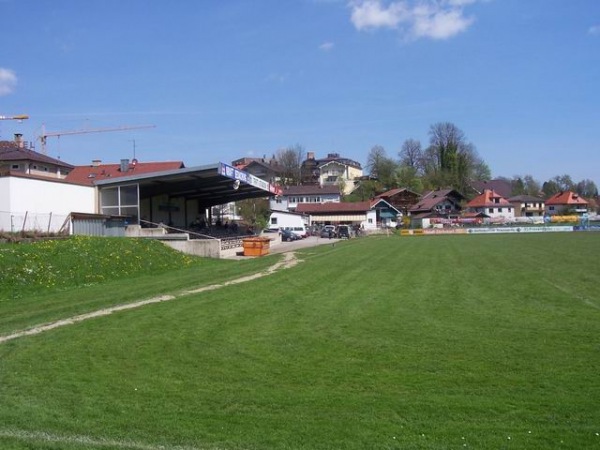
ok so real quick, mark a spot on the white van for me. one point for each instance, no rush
(294, 222)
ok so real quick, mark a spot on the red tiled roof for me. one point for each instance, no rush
(566, 198)
(335, 208)
(489, 198)
(93, 173)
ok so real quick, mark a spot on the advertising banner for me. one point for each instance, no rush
(236, 174)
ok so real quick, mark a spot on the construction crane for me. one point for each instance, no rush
(44, 136)
(19, 117)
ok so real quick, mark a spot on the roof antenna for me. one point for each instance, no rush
(133, 140)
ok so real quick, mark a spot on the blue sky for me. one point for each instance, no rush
(226, 79)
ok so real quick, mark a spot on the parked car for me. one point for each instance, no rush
(289, 235)
(298, 231)
(328, 231)
(343, 232)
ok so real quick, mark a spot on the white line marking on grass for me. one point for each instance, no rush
(289, 260)
(585, 300)
(42, 436)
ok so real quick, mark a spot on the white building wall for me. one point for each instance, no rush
(28, 204)
(371, 222)
(498, 212)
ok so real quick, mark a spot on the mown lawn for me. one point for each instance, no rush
(411, 343)
(54, 279)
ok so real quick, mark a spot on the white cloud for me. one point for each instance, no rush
(367, 14)
(414, 19)
(8, 81)
(594, 31)
(437, 23)
(326, 46)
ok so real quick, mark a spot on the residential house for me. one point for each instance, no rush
(34, 194)
(265, 169)
(527, 206)
(566, 202)
(16, 157)
(369, 215)
(496, 207)
(438, 204)
(334, 170)
(402, 199)
(293, 196)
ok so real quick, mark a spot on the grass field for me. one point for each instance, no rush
(445, 342)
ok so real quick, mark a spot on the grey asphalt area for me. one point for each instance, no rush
(281, 247)
(276, 246)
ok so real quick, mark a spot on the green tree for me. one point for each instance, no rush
(254, 211)
(550, 187)
(366, 190)
(525, 185)
(382, 167)
(408, 177)
(451, 161)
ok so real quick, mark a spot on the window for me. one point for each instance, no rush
(491, 210)
(499, 210)
(509, 209)
(14, 166)
(551, 208)
(273, 220)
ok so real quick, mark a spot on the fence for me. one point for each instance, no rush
(14, 222)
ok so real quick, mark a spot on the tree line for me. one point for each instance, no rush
(448, 161)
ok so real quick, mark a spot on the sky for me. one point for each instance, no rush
(221, 80)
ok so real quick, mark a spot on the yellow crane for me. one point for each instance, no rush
(45, 135)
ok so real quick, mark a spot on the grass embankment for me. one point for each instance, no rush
(54, 279)
(429, 343)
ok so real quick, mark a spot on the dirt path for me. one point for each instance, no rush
(288, 261)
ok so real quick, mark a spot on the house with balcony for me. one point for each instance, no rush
(566, 203)
(293, 196)
(492, 204)
(401, 198)
(438, 204)
(334, 170)
(527, 206)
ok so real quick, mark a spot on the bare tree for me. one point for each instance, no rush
(376, 156)
(411, 155)
(290, 160)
